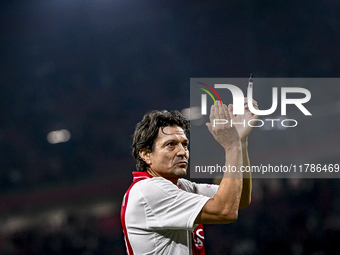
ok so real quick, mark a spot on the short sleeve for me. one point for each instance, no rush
(208, 190)
(167, 206)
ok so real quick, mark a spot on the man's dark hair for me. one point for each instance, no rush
(147, 130)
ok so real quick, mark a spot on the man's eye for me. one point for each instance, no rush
(170, 144)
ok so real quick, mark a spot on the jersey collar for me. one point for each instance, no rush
(141, 175)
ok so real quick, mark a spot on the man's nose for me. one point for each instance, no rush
(182, 151)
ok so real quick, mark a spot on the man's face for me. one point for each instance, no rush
(169, 158)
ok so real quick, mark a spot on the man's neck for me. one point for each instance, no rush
(152, 173)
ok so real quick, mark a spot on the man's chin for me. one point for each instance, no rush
(181, 171)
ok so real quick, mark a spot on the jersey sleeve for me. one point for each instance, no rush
(208, 190)
(167, 206)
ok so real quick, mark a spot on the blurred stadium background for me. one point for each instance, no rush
(77, 75)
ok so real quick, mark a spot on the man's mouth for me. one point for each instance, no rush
(182, 163)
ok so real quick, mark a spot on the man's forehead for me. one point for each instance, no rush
(168, 131)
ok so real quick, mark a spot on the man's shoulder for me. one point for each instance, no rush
(155, 185)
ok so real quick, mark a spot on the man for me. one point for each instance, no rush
(163, 213)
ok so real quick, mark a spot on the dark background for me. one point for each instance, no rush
(94, 67)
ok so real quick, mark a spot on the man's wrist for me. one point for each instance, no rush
(234, 147)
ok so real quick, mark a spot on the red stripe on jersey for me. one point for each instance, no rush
(198, 244)
(137, 176)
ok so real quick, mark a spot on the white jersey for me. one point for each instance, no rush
(158, 216)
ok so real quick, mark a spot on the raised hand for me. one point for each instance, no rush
(244, 130)
(225, 134)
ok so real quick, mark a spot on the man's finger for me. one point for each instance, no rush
(221, 111)
(254, 102)
(255, 105)
(231, 110)
(226, 112)
(212, 113)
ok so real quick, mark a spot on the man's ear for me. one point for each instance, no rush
(145, 155)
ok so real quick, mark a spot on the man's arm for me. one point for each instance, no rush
(247, 180)
(246, 187)
(244, 131)
(223, 207)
